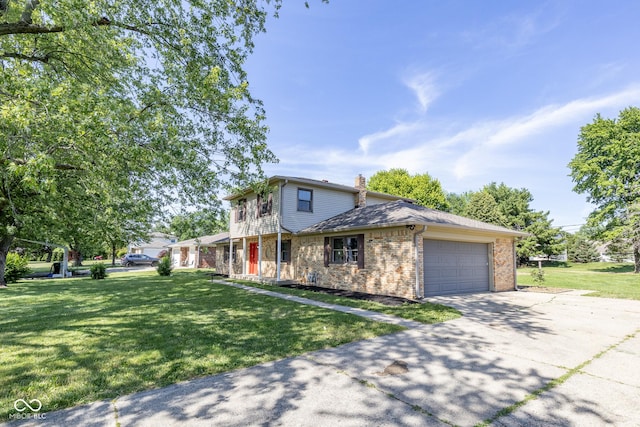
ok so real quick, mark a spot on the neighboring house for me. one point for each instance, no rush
(200, 252)
(344, 237)
(157, 243)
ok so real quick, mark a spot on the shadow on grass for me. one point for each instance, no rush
(77, 341)
(617, 268)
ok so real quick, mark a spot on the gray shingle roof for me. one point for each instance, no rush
(203, 240)
(399, 213)
(316, 183)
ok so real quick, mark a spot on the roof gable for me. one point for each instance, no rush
(203, 240)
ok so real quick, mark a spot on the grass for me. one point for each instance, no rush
(609, 280)
(426, 313)
(74, 341)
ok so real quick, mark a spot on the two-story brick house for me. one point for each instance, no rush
(346, 237)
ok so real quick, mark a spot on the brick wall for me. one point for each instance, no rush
(207, 257)
(503, 265)
(389, 267)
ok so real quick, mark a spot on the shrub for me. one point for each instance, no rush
(16, 267)
(164, 266)
(98, 271)
(537, 274)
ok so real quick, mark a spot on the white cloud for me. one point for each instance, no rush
(424, 87)
(516, 30)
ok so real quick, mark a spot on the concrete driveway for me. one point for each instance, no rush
(514, 359)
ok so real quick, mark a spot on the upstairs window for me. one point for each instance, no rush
(264, 205)
(241, 210)
(305, 200)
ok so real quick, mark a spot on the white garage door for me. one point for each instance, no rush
(455, 267)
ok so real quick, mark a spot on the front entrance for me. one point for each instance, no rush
(253, 258)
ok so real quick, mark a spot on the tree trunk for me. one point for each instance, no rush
(636, 257)
(113, 254)
(5, 244)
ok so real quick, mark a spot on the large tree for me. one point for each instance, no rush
(424, 189)
(510, 207)
(200, 223)
(607, 168)
(147, 100)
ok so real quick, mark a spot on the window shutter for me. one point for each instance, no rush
(258, 206)
(327, 251)
(270, 203)
(360, 250)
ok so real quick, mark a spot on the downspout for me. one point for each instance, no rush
(515, 265)
(417, 266)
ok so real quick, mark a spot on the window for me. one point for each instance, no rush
(225, 255)
(285, 251)
(305, 200)
(264, 205)
(344, 250)
(241, 210)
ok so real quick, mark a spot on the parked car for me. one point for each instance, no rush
(139, 259)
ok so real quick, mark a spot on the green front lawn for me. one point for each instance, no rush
(73, 341)
(425, 312)
(609, 280)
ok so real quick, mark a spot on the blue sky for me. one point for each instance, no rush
(471, 92)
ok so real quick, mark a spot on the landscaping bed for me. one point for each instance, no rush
(381, 299)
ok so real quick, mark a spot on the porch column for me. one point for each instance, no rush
(230, 256)
(244, 256)
(278, 254)
(260, 256)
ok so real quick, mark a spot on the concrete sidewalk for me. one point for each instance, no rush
(507, 347)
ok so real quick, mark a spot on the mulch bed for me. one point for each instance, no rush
(382, 299)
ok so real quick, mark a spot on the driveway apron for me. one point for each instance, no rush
(513, 359)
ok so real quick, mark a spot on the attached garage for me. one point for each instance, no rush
(452, 267)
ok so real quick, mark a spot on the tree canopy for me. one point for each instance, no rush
(197, 224)
(109, 105)
(607, 168)
(424, 189)
(510, 207)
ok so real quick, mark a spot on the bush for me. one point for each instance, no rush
(164, 266)
(537, 274)
(98, 271)
(16, 267)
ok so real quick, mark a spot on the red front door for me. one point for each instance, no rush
(253, 258)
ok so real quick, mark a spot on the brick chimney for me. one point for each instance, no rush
(361, 186)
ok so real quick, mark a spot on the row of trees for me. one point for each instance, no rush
(495, 204)
(606, 168)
